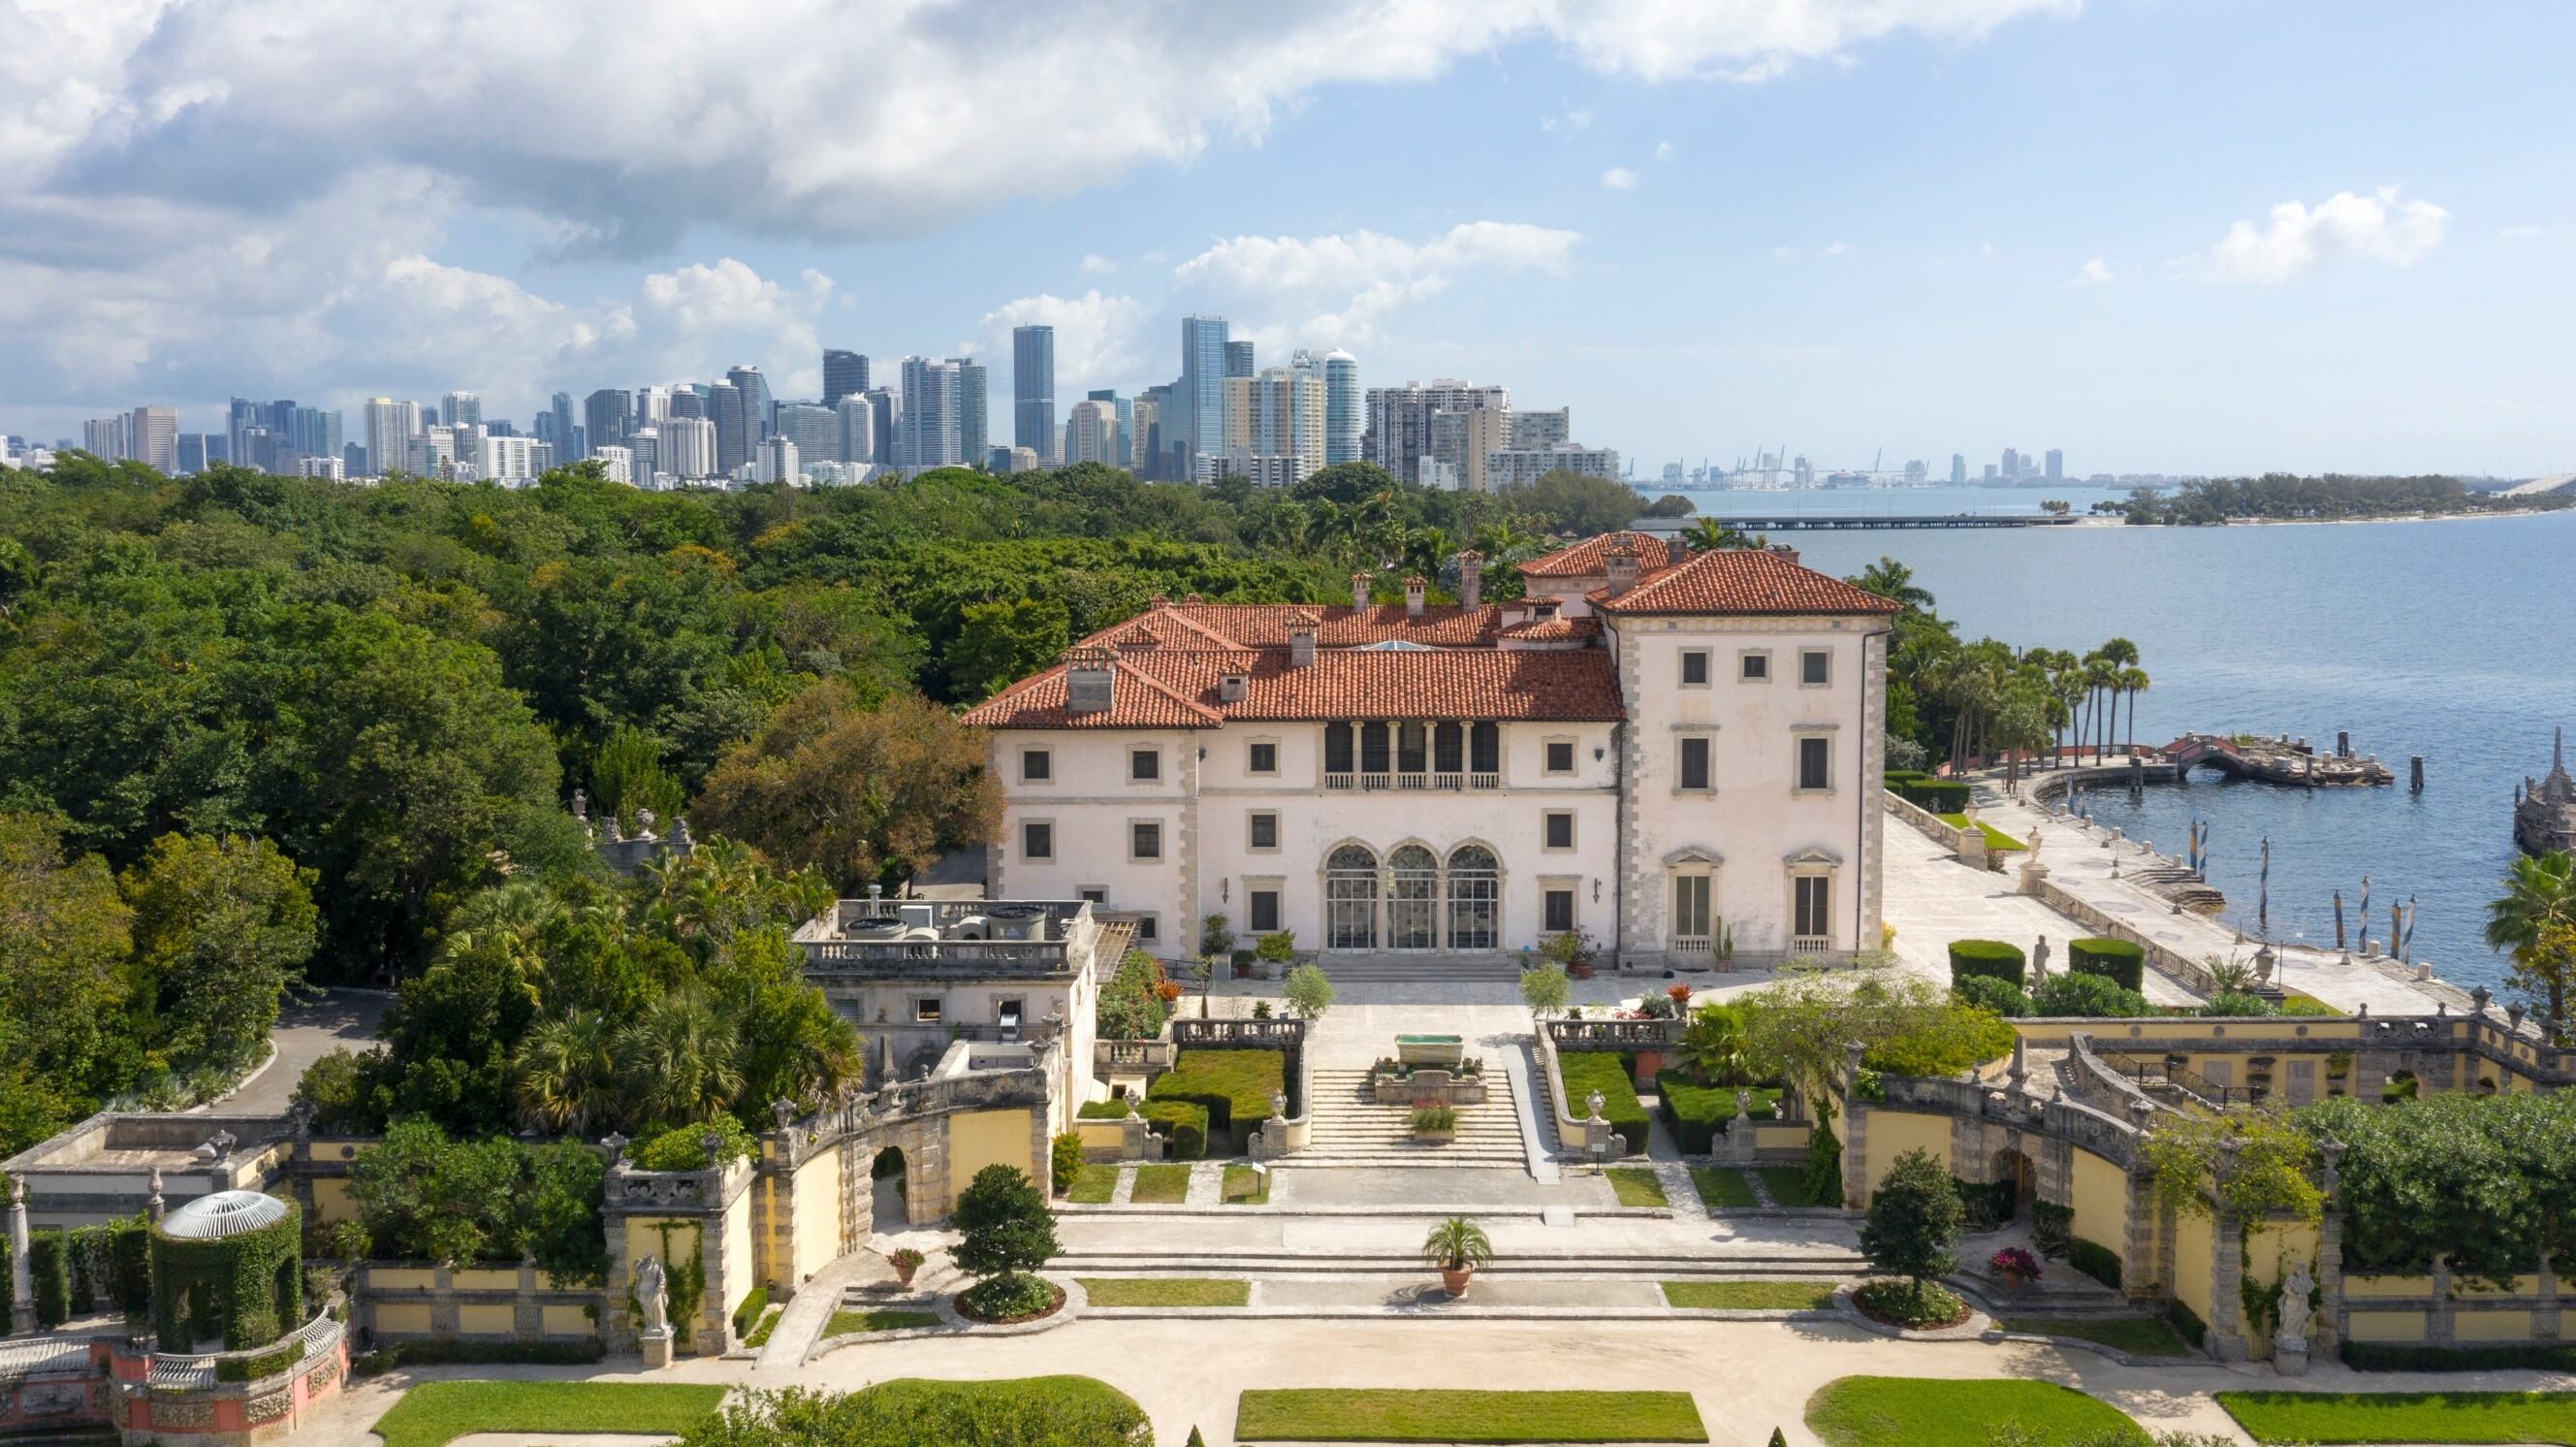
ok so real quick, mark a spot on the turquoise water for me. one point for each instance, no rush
(2451, 639)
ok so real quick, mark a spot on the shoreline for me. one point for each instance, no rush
(2242, 522)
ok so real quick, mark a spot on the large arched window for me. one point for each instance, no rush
(1413, 899)
(1350, 899)
(1475, 899)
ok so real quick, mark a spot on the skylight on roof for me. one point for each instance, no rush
(1397, 645)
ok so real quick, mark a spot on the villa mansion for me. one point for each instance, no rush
(1677, 754)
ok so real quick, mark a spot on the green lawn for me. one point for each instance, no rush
(1750, 1295)
(1161, 1185)
(2141, 1336)
(759, 1335)
(1392, 1415)
(1995, 838)
(845, 1322)
(434, 1413)
(1240, 1082)
(1245, 1186)
(1165, 1291)
(1093, 1186)
(1924, 1412)
(1580, 1074)
(1787, 1184)
(1015, 1410)
(1721, 1189)
(2326, 1417)
(1637, 1186)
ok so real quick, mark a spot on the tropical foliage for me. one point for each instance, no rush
(2535, 921)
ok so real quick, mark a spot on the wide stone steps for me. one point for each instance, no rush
(1351, 1129)
(1419, 969)
(1274, 1261)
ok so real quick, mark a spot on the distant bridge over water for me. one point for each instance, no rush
(1866, 522)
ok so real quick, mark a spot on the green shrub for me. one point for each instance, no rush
(1118, 1109)
(2095, 997)
(1185, 1122)
(1066, 1162)
(1987, 1204)
(1234, 1086)
(2052, 1229)
(1129, 1009)
(747, 1315)
(261, 1367)
(2375, 1356)
(1697, 1114)
(1824, 1173)
(1582, 1074)
(1935, 796)
(49, 1260)
(2237, 1005)
(1985, 993)
(478, 1353)
(683, 1147)
(1028, 1412)
(1987, 959)
(2119, 960)
(2186, 1322)
(129, 1269)
(2095, 1260)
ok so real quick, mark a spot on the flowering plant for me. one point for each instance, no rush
(2014, 1261)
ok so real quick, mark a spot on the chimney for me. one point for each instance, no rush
(1413, 587)
(1471, 578)
(1785, 553)
(1301, 640)
(1622, 564)
(1231, 687)
(1362, 584)
(1087, 675)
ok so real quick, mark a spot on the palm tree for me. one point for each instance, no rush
(2100, 676)
(1709, 535)
(1457, 1244)
(565, 1075)
(2134, 681)
(1891, 580)
(676, 1064)
(1713, 1045)
(2535, 918)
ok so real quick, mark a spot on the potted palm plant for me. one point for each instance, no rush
(1455, 1248)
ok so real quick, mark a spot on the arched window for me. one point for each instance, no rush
(1350, 899)
(1475, 899)
(1413, 899)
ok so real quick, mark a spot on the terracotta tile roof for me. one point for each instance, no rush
(1178, 688)
(1549, 629)
(1265, 625)
(1584, 560)
(1741, 580)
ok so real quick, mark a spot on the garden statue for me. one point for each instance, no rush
(2293, 1334)
(651, 1285)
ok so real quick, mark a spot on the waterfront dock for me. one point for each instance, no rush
(2278, 761)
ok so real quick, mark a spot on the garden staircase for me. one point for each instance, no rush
(1351, 1129)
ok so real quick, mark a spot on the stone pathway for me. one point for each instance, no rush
(1207, 1184)
(1933, 899)
(802, 1321)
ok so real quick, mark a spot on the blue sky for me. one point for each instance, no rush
(1925, 226)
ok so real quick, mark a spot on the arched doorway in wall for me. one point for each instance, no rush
(888, 1208)
(1413, 899)
(1475, 899)
(1350, 899)
(2014, 1169)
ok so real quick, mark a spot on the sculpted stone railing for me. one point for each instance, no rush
(2067, 1120)
(1594, 1036)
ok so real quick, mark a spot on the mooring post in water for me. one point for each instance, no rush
(2343, 743)
(2338, 919)
(2415, 773)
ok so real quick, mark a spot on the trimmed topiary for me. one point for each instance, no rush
(1184, 1121)
(1935, 796)
(2112, 959)
(246, 1283)
(1987, 959)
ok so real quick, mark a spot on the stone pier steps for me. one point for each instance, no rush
(1349, 1128)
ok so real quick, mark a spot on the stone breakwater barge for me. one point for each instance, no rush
(2278, 761)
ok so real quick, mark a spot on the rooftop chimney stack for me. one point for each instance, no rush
(1622, 561)
(1362, 584)
(1471, 578)
(1301, 640)
(1413, 587)
(1232, 687)
(1783, 550)
(1087, 680)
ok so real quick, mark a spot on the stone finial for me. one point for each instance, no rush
(581, 805)
(2020, 1071)
(2478, 999)
(2513, 1015)
(713, 1145)
(783, 1111)
(2140, 1111)
(1593, 1103)
(616, 1145)
(1278, 1105)
(154, 1207)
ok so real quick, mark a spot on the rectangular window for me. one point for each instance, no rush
(1411, 748)
(1264, 759)
(1690, 906)
(1815, 763)
(1694, 763)
(1265, 831)
(1485, 749)
(1559, 831)
(1448, 749)
(1337, 748)
(1815, 907)
(1560, 756)
(1815, 667)
(925, 1009)
(1757, 668)
(1144, 765)
(1694, 667)
(1147, 930)
(1560, 911)
(1264, 911)
(1095, 894)
(1037, 840)
(1145, 840)
(1037, 766)
(1373, 748)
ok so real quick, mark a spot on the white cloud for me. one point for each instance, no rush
(2300, 239)
(1618, 178)
(1098, 266)
(2094, 273)
(1329, 290)
(2519, 231)
(1570, 121)
(1838, 248)
(1098, 339)
(1664, 151)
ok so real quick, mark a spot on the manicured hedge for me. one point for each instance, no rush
(1987, 959)
(1988, 1203)
(2119, 960)
(2095, 1260)
(1118, 1109)
(747, 1315)
(1996, 995)
(478, 1353)
(259, 1368)
(1698, 1114)
(2186, 1321)
(1185, 1121)
(2378, 1356)
(1933, 796)
(1234, 1086)
(49, 1260)
(1581, 1074)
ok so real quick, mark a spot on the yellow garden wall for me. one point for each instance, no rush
(987, 1138)
(2191, 1262)
(1892, 1133)
(818, 1215)
(2099, 1192)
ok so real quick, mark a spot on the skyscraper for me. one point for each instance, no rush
(1091, 433)
(1958, 469)
(2056, 465)
(845, 374)
(1399, 420)
(1238, 359)
(1195, 422)
(390, 428)
(886, 407)
(567, 438)
(1124, 455)
(741, 408)
(606, 413)
(687, 447)
(927, 431)
(857, 417)
(461, 409)
(1033, 391)
(972, 432)
(816, 431)
(1342, 408)
(152, 437)
(2012, 465)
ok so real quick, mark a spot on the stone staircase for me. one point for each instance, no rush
(1351, 1129)
(1733, 1264)
(1410, 969)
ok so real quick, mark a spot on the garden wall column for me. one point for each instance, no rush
(22, 1279)
(2226, 1281)
(1855, 1132)
(2332, 1321)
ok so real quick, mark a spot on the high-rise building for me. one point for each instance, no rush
(1291, 411)
(2056, 465)
(1033, 391)
(1194, 421)
(1515, 467)
(1091, 433)
(886, 406)
(972, 398)
(652, 406)
(1242, 413)
(845, 374)
(928, 428)
(687, 447)
(1145, 433)
(153, 437)
(106, 438)
(644, 455)
(742, 417)
(461, 409)
(192, 453)
(615, 461)
(2012, 465)
(607, 415)
(1958, 469)
(1537, 430)
(390, 428)
(1462, 436)
(815, 430)
(857, 419)
(1238, 359)
(778, 461)
(567, 432)
(689, 399)
(1123, 454)
(1343, 416)
(1399, 419)
(510, 461)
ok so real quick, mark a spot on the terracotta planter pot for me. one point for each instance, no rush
(1455, 1282)
(2015, 1281)
(903, 1274)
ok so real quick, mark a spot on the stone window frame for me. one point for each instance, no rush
(927, 1009)
(1149, 927)
(1745, 658)
(1046, 780)
(1573, 831)
(1682, 733)
(1052, 840)
(1572, 886)
(1138, 751)
(1573, 756)
(1801, 733)
(1162, 844)
(1806, 653)
(1692, 862)
(1251, 842)
(1275, 885)
(1707, 667)
(1812, 864)
(1250, 767)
